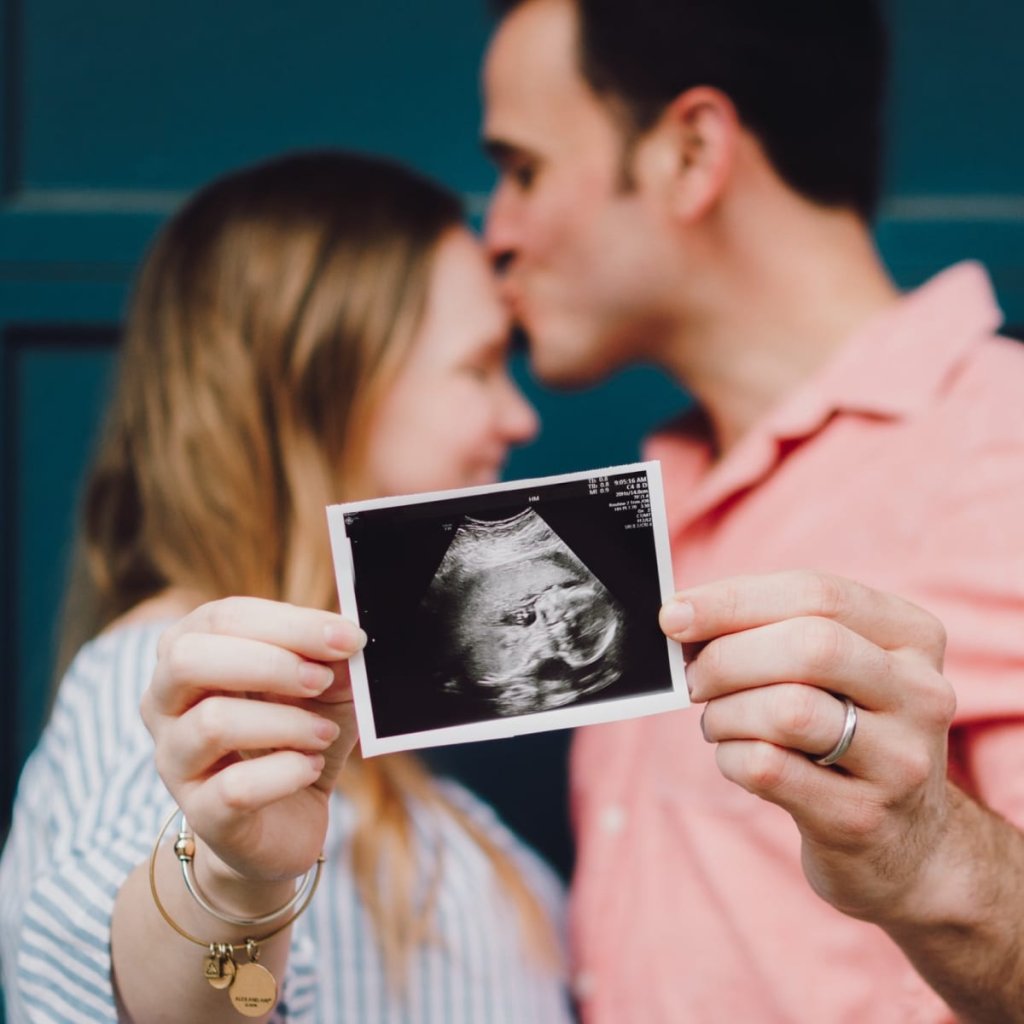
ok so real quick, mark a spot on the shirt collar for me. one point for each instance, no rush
(900, 359)
(891, 367)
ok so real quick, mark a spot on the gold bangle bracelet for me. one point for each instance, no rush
(185, 851)
(251, 987)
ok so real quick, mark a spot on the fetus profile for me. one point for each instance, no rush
(516, 621)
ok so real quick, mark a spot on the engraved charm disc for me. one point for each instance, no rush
(254, 990)
(219, 971)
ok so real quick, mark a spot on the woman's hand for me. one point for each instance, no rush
(251, 711)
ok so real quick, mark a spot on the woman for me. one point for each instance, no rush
(314, 329)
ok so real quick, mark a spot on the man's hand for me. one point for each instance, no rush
(772, 657)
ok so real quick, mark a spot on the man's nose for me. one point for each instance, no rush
(500, 231)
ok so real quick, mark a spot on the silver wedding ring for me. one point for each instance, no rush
(845, 739)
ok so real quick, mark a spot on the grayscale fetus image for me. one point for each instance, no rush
(518, 622)
(497, 612)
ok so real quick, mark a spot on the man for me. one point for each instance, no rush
(690, 185)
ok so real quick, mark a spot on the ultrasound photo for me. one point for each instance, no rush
(509, 609)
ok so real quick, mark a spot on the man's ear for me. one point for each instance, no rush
(696, 138)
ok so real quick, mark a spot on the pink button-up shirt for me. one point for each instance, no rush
(901, 464)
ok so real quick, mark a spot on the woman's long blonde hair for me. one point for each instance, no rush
(269, 314)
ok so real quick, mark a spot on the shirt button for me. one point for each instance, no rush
(583, 985)
(613, 819)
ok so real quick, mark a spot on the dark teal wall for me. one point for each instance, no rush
(109, 117)
(110, 112)
(955, 168)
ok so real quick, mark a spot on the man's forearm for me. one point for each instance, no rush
(964, 929)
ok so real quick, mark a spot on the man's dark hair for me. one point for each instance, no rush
(807, 78)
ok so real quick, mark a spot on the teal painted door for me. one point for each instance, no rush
(111, 112)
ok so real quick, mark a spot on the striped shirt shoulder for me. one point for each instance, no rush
(86, 800)
(91, 785)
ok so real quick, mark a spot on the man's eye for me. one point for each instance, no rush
(523, 175)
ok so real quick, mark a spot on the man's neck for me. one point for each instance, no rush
(782, 295)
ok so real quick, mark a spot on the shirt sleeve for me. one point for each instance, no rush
(541, 994)
(88, 808)
(539, 876)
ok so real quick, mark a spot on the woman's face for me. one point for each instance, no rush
(452, 411)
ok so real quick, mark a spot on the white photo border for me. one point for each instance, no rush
(568, 716)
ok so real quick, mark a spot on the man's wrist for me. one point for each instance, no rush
(950, 892)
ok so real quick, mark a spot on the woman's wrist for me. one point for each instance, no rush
(233, 893)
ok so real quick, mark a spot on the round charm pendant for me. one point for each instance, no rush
(254, 990)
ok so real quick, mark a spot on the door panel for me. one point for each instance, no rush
(57, 379)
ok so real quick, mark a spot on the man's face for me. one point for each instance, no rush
(583, 257)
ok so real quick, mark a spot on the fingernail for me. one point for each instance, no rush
(314, 677)
(676, 617)
(316, 762)
(327, 730)
(344, 637)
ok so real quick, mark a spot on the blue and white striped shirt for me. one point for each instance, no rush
(88, 807)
